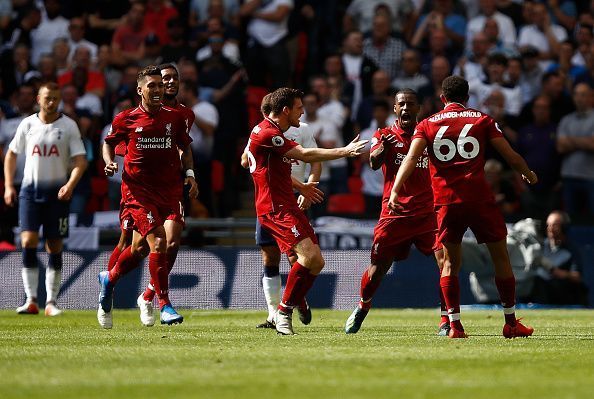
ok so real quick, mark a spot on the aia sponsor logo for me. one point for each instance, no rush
(45, 150)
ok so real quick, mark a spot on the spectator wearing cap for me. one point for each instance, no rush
(77, 29)
(178, 47)
(128, 39)
(481, 90)
(506, 29)
(158, 12)
(52, 26)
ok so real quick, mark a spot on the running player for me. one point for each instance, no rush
(457, 138)
(415, 224)
(269, 154)
(51, 142)
(154, 135)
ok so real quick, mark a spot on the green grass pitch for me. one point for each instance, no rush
(219, 354)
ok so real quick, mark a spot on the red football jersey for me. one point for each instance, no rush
(416, 196)
(457, 138)
(188, 114)
(152, 167)
(270, 168)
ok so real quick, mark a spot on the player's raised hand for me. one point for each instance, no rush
(356, 147)
(65, 193)
(111, 168)
(193, 193)
(10, 195)
(530, 178)
(311, 192)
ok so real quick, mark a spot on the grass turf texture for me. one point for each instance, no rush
(222, 355)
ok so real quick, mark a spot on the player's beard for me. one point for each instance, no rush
(169, 97)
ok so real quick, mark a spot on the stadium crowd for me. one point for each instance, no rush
(530, 65)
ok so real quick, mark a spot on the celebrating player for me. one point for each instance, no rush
(269, 154)
(415, 223)
(308, 194)
(154, 135)
(457, 138)
(51, 141)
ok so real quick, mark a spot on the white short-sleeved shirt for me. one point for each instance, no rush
(48, 148)
(302, 135)
(8, 129)
(268, 33)
(202, 144)
(373, 180)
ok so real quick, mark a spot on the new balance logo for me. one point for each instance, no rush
(138, 129)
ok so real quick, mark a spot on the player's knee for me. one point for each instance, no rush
(316, 263)
(172, 247)
(30, 257)
(270, 258)
(55, 261)
(160, 244)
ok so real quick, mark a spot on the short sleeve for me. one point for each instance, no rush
(277, 142)
(76, 144)
(420, 132)
(208, 113)
(182, 136)
(117, 133)
(19, 141)
(493, 129)
(375, 140)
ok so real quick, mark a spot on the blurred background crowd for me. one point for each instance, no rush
(530, 65)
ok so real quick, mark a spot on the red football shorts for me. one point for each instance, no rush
(288, 227)
(126, 219)
(393, 237)
(483, 218)
(147, 216)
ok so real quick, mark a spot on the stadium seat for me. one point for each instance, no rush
(346, 204)
(254, 95)
(355, 184)
(217, 176)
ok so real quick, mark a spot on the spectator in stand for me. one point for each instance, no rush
(553, 87)
(575, 140)
(440, 69)
(52, 26)
(506, 28)
(15, 66)
(410, 75)
(267, 56)
(373, 180)
(331, 108)
(5, 16)
(178, 46)
(503, 190)
(156, 16)
(128, 39)
(542, 34)
(358, 68)
(48, 72)
(77, 29)
(202, 133)
(61, 55)
(152, 51)
(216, 38)
(481, 90)
(560, 280)
(474, 63)
(570, 72)
(200, 10)
(536, 143)
(513, 10)
(532, 73)
(214, 23)
(95, 79)
(360, 14)
(441, 17)
(438, 47)
(381, 91)
(112, 75)
(104, 17)
(383, 49)
(584, 36)
(22, 28)
(564, 13)
(343, 90)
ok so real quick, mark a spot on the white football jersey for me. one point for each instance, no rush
(302, 135)
(48, 149)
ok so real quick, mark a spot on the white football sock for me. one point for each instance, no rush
(53, 278)
(272, 292)
(30, 281)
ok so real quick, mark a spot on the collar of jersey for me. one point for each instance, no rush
(273, 123)
(146, 111)
(454, 104)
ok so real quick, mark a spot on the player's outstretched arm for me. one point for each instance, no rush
(108, 153)
(514, 159)
(353, 149)
(308, 190)
(79, 163)
(10, 194)
(406, 169)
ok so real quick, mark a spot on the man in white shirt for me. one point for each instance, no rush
(507, 30)
(52, 27)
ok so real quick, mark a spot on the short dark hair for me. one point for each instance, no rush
(497, 59)
(167, 66)
(406, 90)
(455, 89)
(283, 97)
(150, 70)
(51, 86)
(265, 107)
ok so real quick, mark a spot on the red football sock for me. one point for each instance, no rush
(125, 264)
(115, 254)
(160, 276)
(368, 288)
(507, 294)
(309, 281)
(443, 309)
(149, 291)
(450, 287)
(298, 282)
